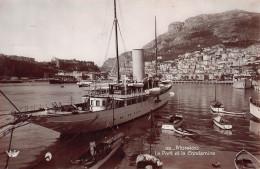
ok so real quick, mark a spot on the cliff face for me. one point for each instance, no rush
(232, 28)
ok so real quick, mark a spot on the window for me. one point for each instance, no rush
(103, 103)
(97, 103)
(91, 102)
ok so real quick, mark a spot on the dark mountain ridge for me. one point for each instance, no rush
(235, 28)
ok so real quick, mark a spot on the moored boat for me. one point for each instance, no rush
(63, 79)
(145, 160)
(246, 160)
(242, 82)
(56, 81)
(184, 132)
(228, 113)
(98, 154)
(256, 84)
(175, 121)
(11, 81)
(222, 122)
(254, 108)
(84, 83)
(216, 107)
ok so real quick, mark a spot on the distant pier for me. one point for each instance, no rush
(42, 80)
(204, 82)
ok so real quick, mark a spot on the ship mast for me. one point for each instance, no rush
(156, 50)
(215, 93)
(117, 57)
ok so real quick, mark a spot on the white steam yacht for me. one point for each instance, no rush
(104, 108)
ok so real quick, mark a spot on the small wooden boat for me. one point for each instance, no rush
(98, 154)
(183, 131)
(169, 132)
(246, 160)
(222, 122)
(221, 111)
(227, 113)
(84, 83)
(145, 160)
(216, 107)
(175, 121)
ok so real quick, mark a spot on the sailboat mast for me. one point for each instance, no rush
(156, 50)
(9, 148)
(215, 93)
(117, 57)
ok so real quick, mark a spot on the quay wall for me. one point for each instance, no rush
(204, 82)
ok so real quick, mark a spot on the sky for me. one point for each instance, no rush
(80, 29)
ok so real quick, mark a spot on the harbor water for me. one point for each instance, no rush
(210, 144)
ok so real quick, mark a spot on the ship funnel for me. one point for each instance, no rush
(138, 65)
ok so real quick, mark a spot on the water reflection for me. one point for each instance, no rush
(191, 101)
(70, 147)
(254, 126)
(221, 131)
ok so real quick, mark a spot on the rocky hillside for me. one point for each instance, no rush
(232, 28)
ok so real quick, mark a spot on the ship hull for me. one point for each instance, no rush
(54, 81)
(242, 84)
(93, 121)
(255, 111)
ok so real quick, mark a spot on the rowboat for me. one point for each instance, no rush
(175, 121)
(228, 113)
(246, 160)
(98, 154)
(217, 107)
(183, 131)
(147, 160)
(84, 83)
(222, 122)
